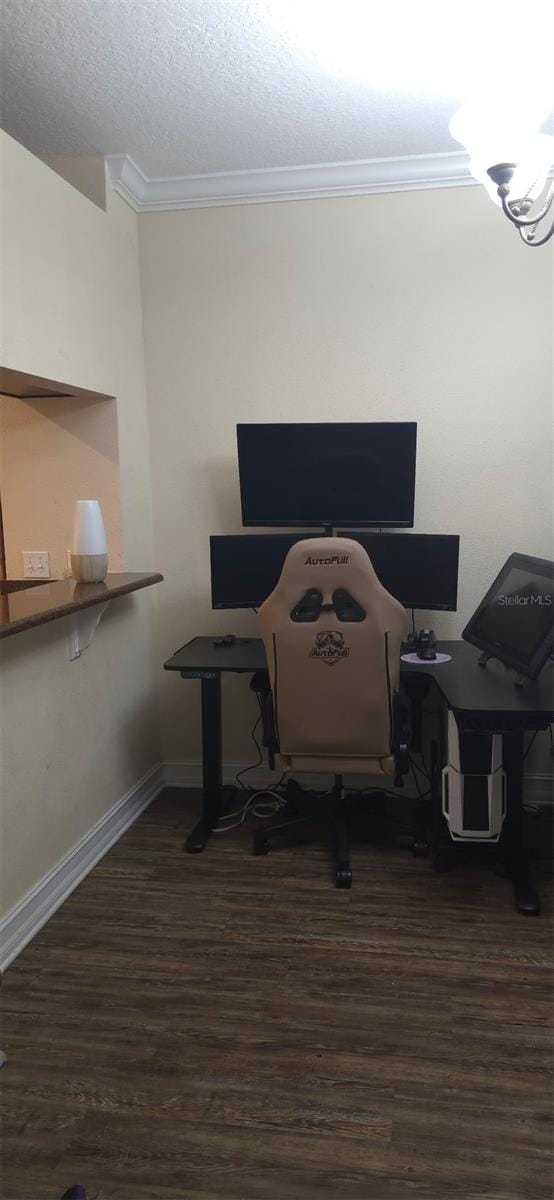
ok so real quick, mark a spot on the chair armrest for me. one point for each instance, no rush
(260, 684)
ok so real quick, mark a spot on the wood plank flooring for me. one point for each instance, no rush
(224, 1027)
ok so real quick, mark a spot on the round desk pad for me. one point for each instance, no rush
(429, 662)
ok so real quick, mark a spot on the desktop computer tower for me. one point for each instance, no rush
(473, 786)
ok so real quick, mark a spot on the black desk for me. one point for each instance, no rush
(483, 699)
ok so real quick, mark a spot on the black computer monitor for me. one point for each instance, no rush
(245, 567)
(420, 569)
(357, 473)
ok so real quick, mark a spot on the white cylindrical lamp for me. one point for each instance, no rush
(89, 551)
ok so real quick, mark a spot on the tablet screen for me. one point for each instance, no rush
(518, 614)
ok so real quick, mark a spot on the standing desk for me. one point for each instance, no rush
(483, 700)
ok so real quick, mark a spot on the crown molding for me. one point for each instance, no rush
(268, 185)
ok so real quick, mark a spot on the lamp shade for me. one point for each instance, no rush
(502, 135)
(89, 534)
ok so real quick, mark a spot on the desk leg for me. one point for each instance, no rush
(211, 765)
(525, 896)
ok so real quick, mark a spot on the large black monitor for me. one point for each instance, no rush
(514, 621)
(357, 473)
(245, 567)
(420, 569)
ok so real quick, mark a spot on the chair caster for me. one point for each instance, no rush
(344, 877)
(261, 845)
(525, 896)
(420, 849)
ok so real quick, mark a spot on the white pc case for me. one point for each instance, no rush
(474, 803)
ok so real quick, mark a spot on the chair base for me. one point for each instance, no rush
(305, 811)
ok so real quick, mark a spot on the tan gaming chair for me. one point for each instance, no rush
(332, 637)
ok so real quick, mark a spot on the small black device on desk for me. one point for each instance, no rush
(226, 639)
(424, 644)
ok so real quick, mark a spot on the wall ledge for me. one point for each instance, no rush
(28, 607)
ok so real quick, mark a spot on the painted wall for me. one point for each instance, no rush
(422, 305)
(76, 736)
(52, 453)
(87, 173)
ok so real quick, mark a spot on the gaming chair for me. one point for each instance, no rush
(330, 700)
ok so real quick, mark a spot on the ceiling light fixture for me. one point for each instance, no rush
(512, 161)
(490, 52)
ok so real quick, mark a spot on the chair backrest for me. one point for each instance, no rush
(332, 636)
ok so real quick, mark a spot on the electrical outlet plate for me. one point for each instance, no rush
(36, 564)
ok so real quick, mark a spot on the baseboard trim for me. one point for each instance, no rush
(21, 924)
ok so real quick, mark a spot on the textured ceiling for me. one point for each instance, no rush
(194, 86)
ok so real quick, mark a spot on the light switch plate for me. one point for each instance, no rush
(36, 564)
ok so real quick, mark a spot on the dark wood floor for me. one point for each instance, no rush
(225, 1027)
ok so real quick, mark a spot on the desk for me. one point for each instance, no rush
(483, 700)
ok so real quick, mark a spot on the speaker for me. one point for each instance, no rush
(473, 786)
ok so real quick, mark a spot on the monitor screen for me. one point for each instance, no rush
(246, 567)
(514, 621)
(419, 569)
(328, 474)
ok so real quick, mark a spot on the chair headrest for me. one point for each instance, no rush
(328, 563)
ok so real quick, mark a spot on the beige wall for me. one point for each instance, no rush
(422, 305)
(87, 173)
(52, 453)
(63, 324)
(76, 736)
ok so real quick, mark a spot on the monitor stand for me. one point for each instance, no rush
(520, 681)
